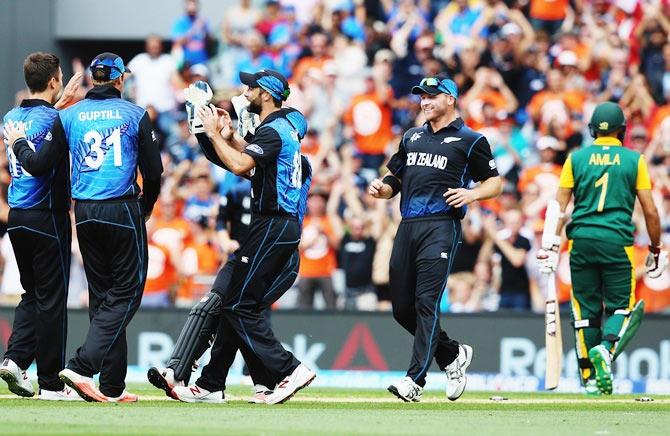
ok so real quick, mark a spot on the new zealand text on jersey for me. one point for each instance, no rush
(426, 160)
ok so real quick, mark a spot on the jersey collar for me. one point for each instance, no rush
(34, 102)
(456, 125)
(609, 141)
(273, 116)
(103, 92)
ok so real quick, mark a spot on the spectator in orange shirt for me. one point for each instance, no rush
(320, 239)
(555, 107)
(370, 122)
(168, 228)
(548, 15)
(489, 89)
(161, 277)
(200, 262)
(318, 46)
(546, 174)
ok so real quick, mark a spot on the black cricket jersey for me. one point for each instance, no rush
(235, 208)
(428, 163)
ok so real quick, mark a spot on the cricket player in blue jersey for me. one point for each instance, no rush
(39, 228)
(109, 139)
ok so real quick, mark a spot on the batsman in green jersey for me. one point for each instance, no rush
(605, 178)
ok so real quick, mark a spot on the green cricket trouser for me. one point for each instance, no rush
(603, 277)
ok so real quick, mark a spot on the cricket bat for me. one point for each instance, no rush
(552, 317)
(552, 336)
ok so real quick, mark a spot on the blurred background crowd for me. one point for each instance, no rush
(529, 73)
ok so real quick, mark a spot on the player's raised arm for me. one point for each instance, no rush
(46, 158)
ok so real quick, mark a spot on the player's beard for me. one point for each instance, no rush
(255, 106)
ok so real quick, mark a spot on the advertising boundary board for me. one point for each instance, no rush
(369, 350)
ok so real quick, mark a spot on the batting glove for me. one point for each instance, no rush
(197, 95)
(656, 262)
(547, 260)
(246, 121)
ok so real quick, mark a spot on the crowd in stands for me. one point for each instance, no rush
(529, 74)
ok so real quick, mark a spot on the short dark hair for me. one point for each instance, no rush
(38, 69)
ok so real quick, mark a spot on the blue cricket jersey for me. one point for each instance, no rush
(108, 139)
(28, 191)
(103, 140)
(277, 178)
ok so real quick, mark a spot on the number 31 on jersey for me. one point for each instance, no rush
(96, 157)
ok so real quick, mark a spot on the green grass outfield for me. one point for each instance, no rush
(341, 411)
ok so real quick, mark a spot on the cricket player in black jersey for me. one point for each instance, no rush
(40, 231)
(203, 322)
(432, 169)
(232, 225)
(266, 263)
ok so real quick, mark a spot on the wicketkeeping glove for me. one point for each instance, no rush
(547, 260)
(246, 121)
(656, 262)
(197, 95)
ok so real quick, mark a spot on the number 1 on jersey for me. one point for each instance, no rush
(602, 182)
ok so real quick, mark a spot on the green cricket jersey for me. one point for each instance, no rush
(605, 178)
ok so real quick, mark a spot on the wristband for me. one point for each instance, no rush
(394, 183)
(654, 250)
(17, 141)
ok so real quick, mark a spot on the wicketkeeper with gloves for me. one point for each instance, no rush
(605, 178)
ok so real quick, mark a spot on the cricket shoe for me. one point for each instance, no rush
(196, 394)
(65, 394)
(16, 378)
(125, 397)
(84, 386)
(300, 378)
(163, 379)
(602, 363)
(591, 388)
(456, 378)
(407, 390)
(261, 394)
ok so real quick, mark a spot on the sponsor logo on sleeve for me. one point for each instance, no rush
(492, 164)
(254, 148)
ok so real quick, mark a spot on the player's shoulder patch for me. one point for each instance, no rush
(254, 148)
(413, 134)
